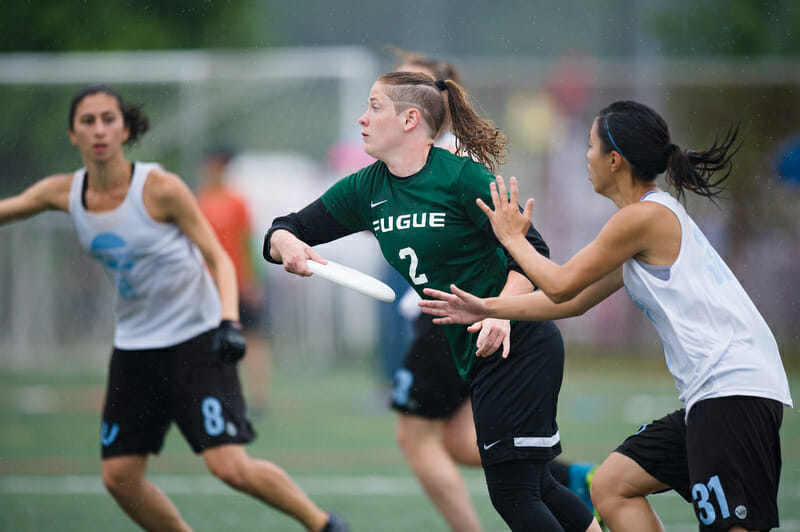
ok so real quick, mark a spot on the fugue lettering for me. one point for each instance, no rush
(407, 221)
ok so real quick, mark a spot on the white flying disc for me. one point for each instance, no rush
(353, 279)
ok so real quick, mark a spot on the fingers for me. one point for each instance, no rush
(434, 308)
(438, 294)
(513, 191)
(489, 341)
(485, 208)
(493, 190)
(528, 210)
(458, 292)
(501, 191)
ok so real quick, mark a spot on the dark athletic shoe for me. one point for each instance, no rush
(336, 523)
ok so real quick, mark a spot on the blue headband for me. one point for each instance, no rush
(608, 130)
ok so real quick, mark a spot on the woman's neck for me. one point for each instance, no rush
(409, 161)
(630, 190)
(106, 175)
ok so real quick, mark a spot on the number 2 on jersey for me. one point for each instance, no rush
(408, 253)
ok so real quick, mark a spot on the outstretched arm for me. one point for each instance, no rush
(463, 307)
(625, 235)
(51, 193)
(290, 239)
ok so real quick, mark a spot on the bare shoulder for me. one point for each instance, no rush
(166, 195)
(162, 185)
(53, 191)
(57, 182)
(631, 217)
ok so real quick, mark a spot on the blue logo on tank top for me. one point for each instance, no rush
(113, 253)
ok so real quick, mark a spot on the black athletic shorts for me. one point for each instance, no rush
(725, 459)
(186, 383)
(428, 383)
(514, 399)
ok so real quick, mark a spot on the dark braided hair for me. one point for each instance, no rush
(641, 136)
(136, 122)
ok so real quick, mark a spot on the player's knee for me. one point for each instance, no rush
(604, 489)
(231, 472)
(119, 480)
(406, 439)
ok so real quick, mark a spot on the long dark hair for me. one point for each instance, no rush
(136, 122)
(475, 136)
(641, 136)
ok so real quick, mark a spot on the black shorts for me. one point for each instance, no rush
(514, 400)
(186, 383)
(428, 383)
(725, 459)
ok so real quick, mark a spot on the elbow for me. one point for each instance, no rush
(561, 294)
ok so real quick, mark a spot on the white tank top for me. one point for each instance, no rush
(716, 342)
(164, 294)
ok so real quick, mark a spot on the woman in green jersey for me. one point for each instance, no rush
(419, 202)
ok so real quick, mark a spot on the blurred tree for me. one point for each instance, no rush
(729, 27)
(55, 25)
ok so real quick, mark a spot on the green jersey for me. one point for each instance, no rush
(429, 229)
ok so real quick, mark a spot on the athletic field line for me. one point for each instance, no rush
(208, 485)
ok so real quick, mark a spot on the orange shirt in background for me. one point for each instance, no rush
(228, 214)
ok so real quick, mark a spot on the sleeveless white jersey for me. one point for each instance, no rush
(164, 294)
(716, 342)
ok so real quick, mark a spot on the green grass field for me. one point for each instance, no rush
(331, 432)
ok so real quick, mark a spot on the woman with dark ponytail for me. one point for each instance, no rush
(177, 336)
(721, 452)
(418, 201)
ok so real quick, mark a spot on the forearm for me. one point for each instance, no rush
(224, 275)
(537, 306)
(516, 284)
(312, 225)
(543, 272)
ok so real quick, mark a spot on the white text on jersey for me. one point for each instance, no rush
(408, 221)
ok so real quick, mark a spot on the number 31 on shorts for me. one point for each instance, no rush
(702, 493)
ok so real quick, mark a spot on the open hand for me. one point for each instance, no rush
(456, 307)
(507, 222)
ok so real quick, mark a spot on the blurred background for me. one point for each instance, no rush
(284, 83)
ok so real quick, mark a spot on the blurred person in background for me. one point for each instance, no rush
(176, 335)
(721, 451)
(514, 370)
(228, 213)
(435, 430)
